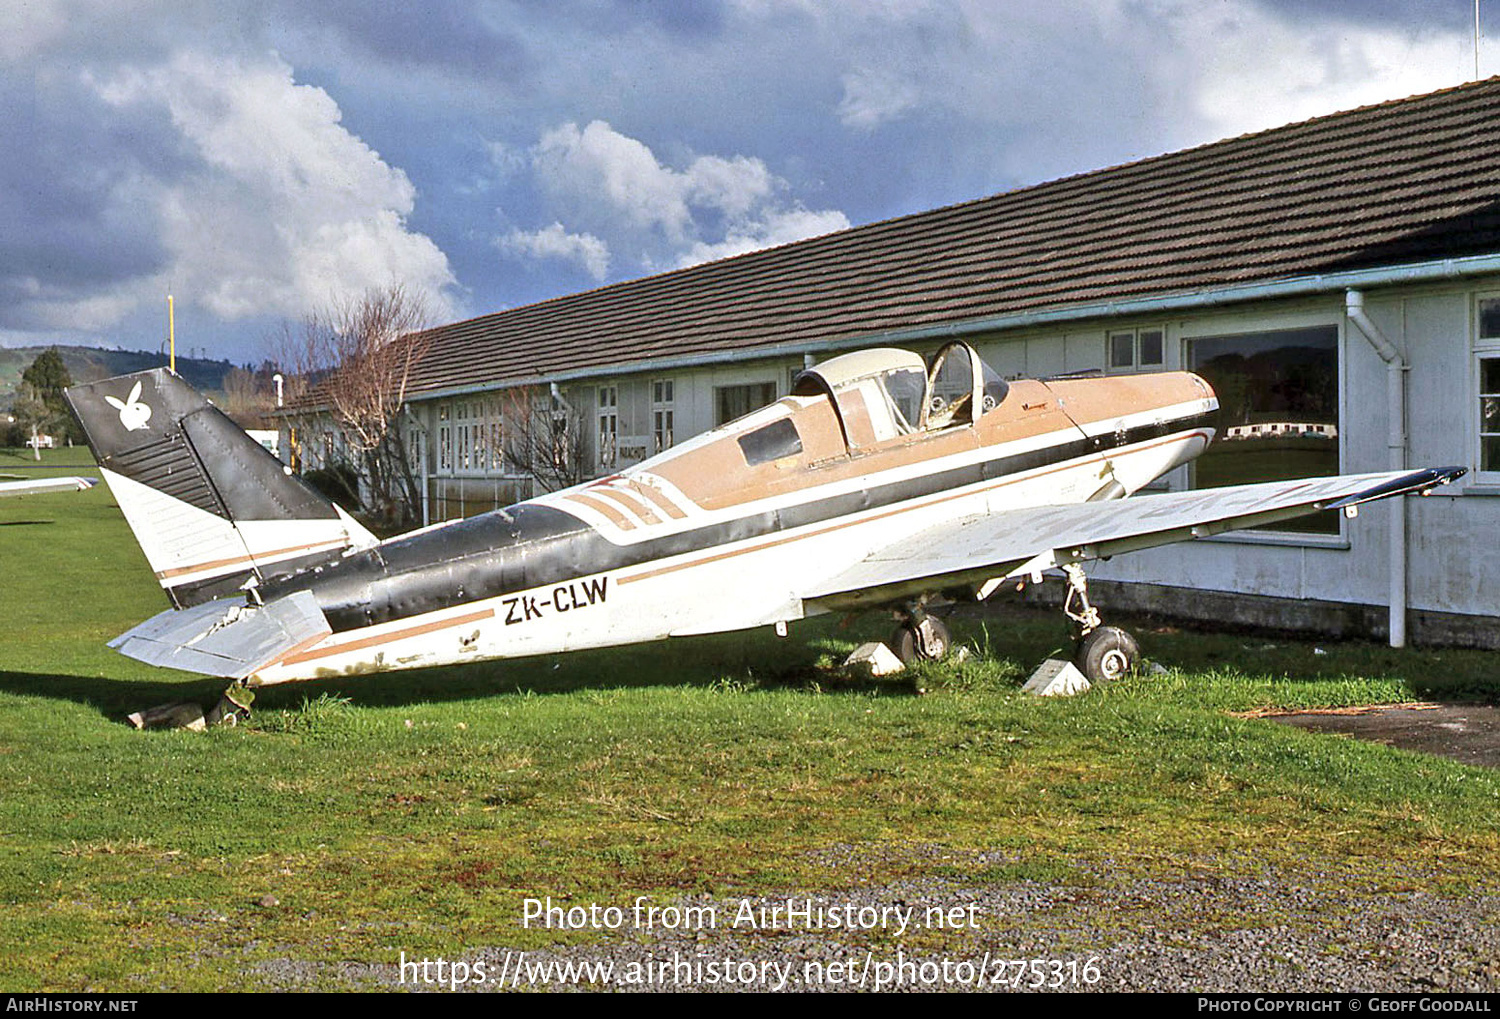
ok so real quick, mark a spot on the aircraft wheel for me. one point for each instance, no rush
(1107, 653)
(910, 646)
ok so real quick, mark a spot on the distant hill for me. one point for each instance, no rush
(90, 364)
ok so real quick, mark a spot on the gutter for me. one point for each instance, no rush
(1441, 270)
(1396, 442)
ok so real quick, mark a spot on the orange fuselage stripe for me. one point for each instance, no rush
(387, 638)
(661, 501)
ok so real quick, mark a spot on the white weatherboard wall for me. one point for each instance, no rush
(1453, 540)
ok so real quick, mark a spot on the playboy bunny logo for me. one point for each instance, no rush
(133, 415)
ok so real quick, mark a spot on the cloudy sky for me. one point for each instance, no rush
(259, 160)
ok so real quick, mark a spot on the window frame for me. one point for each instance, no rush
(1212, 329)
(1481, 349)
(607, 453)
(445, 439)
(1135, 365)
(763, 385)
(663, 414)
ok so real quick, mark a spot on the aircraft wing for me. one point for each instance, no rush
(988, 547)
(31, 487)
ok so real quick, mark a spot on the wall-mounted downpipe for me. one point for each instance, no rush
(1396, 368)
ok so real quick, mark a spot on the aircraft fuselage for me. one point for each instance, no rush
(727, 530)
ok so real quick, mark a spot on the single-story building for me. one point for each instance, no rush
(1337, 280)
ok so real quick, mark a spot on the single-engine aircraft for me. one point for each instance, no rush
(880, 480)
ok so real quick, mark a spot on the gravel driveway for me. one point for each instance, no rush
(1256, 931)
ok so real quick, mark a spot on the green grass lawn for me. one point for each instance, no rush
(414, 812)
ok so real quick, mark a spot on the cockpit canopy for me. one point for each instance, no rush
(902, 394)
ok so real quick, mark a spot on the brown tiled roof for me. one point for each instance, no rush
(1405, 181)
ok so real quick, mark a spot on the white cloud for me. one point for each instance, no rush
(618, 197)
(555, 242)
(613, 176)
(776, 228)
(733, 186)
(281, 207)
(873, 96)
(215, 171)
(1259, 69)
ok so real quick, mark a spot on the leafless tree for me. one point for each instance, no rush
(353, 362)
(247, 394)
(544, 439)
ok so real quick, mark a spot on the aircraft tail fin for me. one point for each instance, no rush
(211, 508)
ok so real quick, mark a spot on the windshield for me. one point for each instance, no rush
(904, 388)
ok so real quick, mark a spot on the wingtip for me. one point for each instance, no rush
(1418, 482)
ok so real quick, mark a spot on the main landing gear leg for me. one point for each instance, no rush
(1103, 652)
(920, 637)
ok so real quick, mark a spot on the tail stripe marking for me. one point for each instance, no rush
(256, 557)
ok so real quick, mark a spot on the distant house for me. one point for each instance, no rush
(1337, 280)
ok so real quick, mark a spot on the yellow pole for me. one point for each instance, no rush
(171, 337)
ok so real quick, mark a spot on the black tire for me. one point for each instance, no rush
(1107, 653)
(909, 649)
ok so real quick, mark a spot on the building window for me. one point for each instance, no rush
(496, 422)
(1487, 377)
(413, 449)
(662, 413)
(609, 425)
(464, 460)
(445, 439)
(1132, 350)
(1489, 414)
(731, 402)
(1278, 411)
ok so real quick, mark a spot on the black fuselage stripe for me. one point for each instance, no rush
(528, 547)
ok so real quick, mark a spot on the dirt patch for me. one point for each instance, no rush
(1465, 732)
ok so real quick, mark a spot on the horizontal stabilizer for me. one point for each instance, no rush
(224, 638)
(1022, 541)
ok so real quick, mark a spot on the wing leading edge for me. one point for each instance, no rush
(990, 547)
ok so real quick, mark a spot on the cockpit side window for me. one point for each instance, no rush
(771, 442)
(995, 389)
